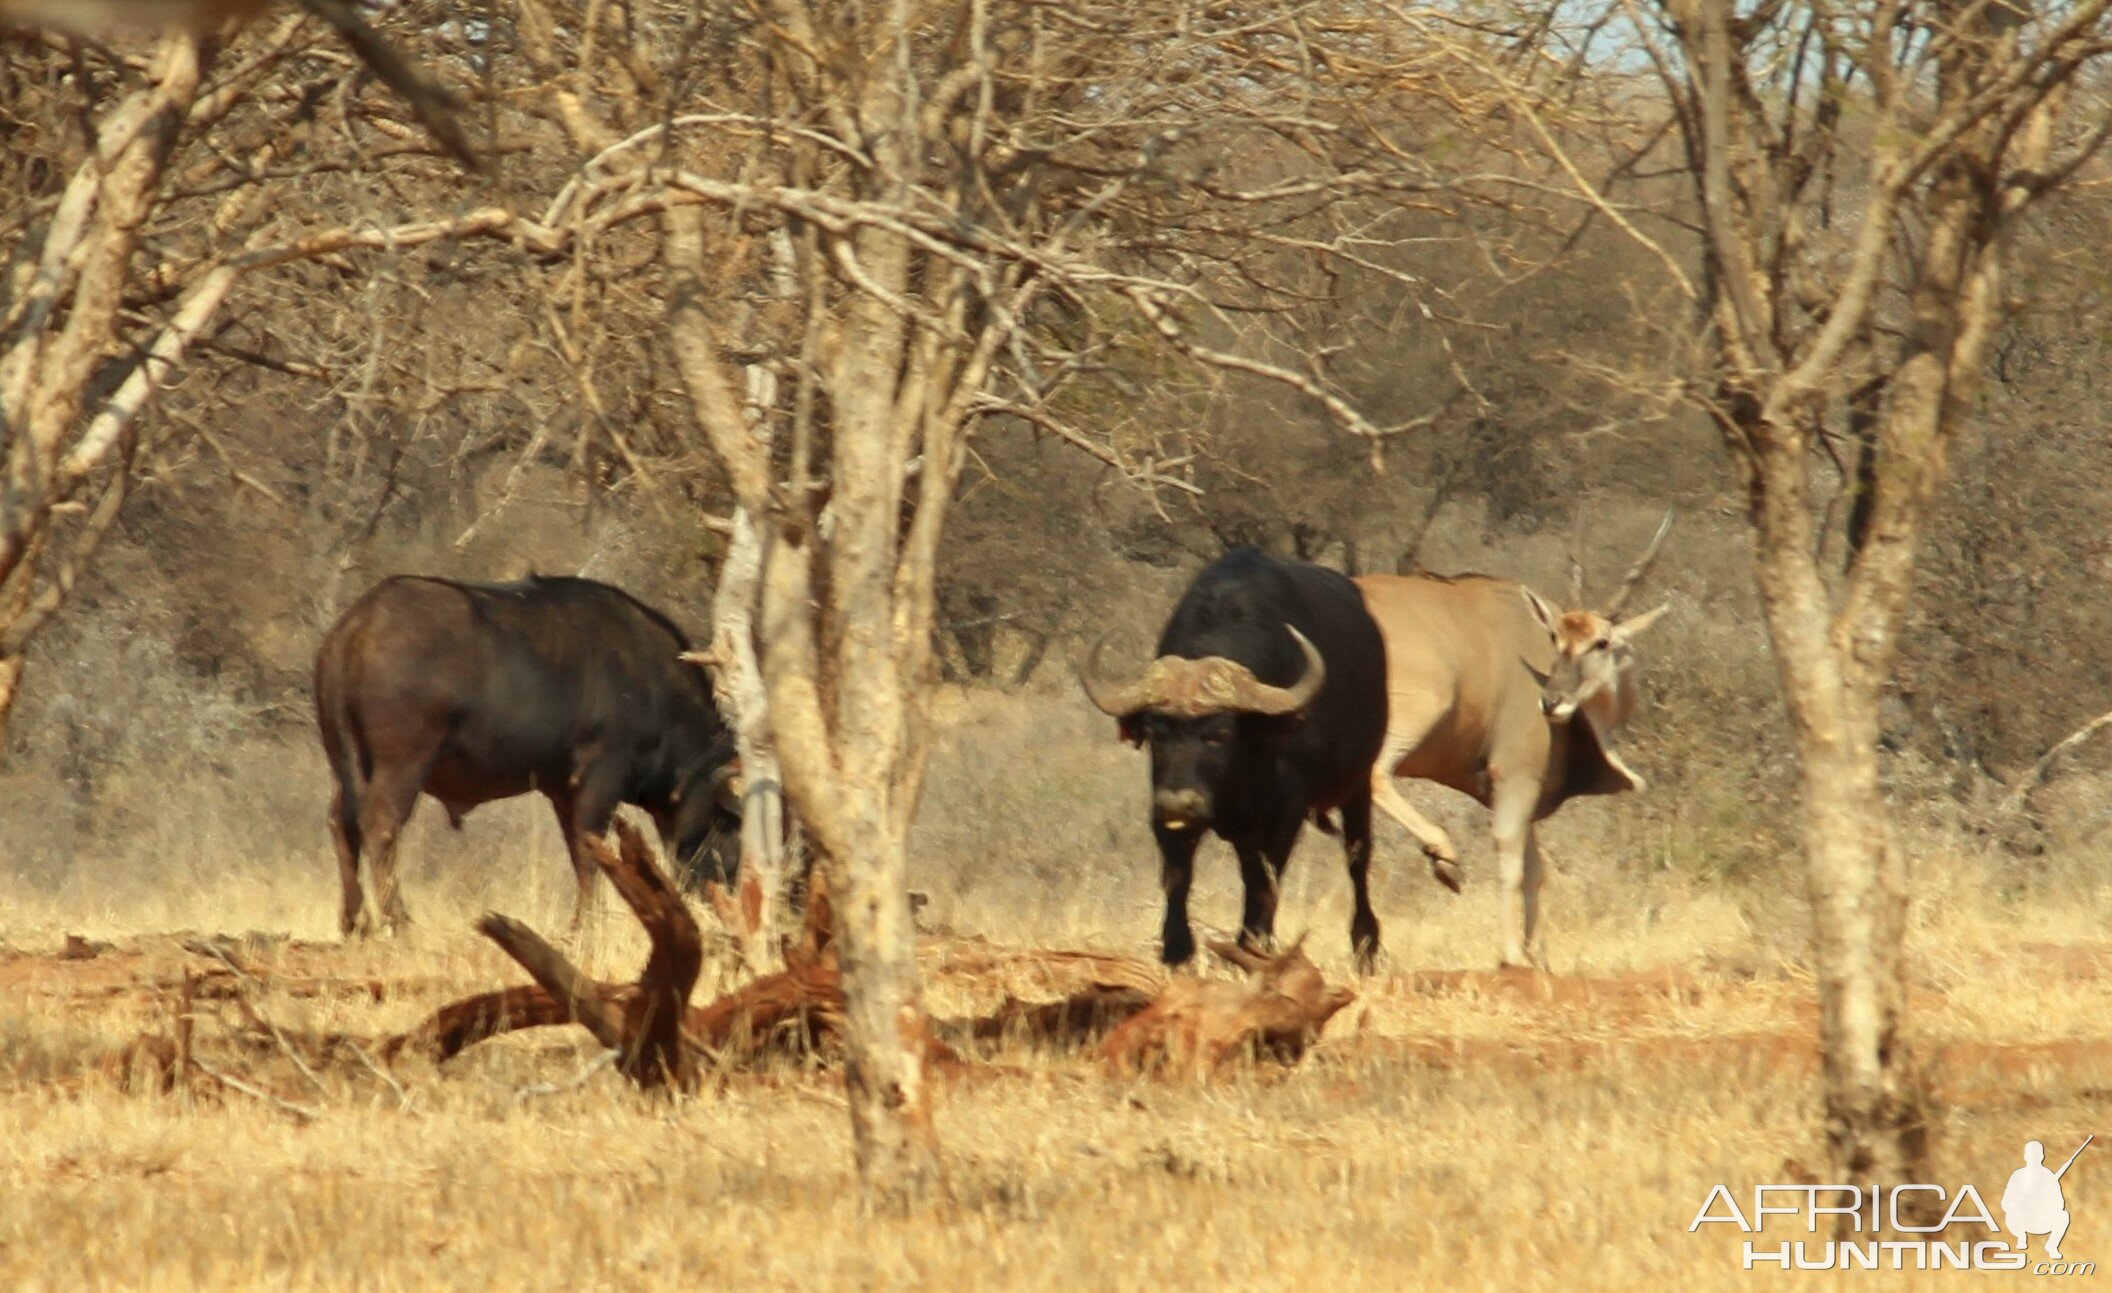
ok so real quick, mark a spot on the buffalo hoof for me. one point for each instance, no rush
(1259, 942)
(388, 924)
(1177, 947)
(1445, 871)
(1367, 954)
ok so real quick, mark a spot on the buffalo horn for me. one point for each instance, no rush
(1260, 698)
(1118, 699)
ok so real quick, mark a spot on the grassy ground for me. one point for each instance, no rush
(1458, 1128)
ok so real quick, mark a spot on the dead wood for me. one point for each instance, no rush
(460, 1025)
(741, 913)
(741, 1023)
(1146, 1025)
(798, 1010)
(1084, 1016)
(817, 927)
(1198, 1024)
(229, 1081)
(801, 1007)
(148, 1063)
(652, 1049)
(643, 1025)
(583, 999)
(658, 1036)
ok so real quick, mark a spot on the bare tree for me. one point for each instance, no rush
(115, 275)
(63, 296)
(883, 223)
(869, 228)
(1852, 180)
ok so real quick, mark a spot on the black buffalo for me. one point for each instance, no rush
(1266, 704)
(475, 692)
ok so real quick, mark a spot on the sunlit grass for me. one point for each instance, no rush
(1462, 1132)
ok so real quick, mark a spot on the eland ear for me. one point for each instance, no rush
(1632, 627)
(1543, 610)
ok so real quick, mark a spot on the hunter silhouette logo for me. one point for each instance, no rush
(2033, 1203)
(1894, 1228)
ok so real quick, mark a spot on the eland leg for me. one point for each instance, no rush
(1436, 844)
(1517, 866)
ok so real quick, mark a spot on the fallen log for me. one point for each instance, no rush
(651, 1021)
(1082, 1017)
(642, 1023)
(460, 1025)
(651, 1050)
(1197, 1025)
(800, 1009)
(1143, 1024)
(582, 1000)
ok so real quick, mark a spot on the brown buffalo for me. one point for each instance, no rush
(475, 692)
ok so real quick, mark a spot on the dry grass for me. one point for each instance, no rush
(1456, 1129)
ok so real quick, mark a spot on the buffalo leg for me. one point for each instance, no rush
(390, 797)
(1262, 870)
(1257, 922)
(1512, 807)
(1176, 872)
(565, 806)
(1356, 850)
(345, 837)
(597, 793)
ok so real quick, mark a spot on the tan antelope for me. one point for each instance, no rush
(1499, 694)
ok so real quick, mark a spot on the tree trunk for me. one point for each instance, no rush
(1831, 671)
(10, 690)
(1874, 1111)
(886, 1037)
(738, 681)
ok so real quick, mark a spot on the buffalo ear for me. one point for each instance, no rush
(1130, 729)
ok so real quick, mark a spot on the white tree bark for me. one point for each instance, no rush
(737, 681)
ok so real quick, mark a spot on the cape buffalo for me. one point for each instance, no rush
(1266, 704)
(475, 692)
